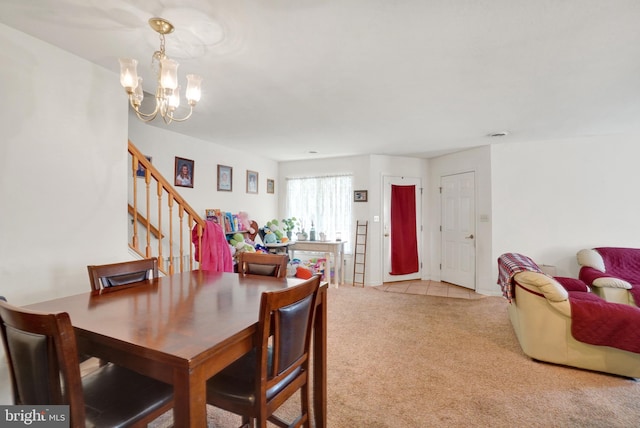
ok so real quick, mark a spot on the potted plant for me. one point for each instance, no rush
(288, 224)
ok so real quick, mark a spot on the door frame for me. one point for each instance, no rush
(386, 209)
(475, 222)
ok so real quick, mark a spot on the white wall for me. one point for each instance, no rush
(368, 172)
(553, 198)
(63, 169)
(163, 145)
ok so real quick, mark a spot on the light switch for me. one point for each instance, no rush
(376, 218)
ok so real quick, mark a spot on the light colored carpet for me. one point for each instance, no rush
(398, 360)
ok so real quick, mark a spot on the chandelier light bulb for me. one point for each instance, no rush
(128, 74)
(168, 73)
(174, 99)
(193, 88)
(138, 94)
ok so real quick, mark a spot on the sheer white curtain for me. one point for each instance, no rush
(326, 201)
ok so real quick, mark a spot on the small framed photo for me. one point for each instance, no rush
(359, 196)
(140, 172)
(184, 172)
(271, 186)
(225, 178)
(252, 182)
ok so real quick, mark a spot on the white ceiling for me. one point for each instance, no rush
(344, 77)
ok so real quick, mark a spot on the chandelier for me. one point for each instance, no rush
(168, 91)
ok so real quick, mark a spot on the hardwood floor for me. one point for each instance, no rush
(430, 288)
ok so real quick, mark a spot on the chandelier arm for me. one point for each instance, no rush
(144, 118)
(142, 115)
(170, 115)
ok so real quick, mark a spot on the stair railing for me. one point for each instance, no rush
(165, 229)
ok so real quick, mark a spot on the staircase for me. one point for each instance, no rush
(161, 220)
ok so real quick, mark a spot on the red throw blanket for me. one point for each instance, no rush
(598, 322)
(510, 264)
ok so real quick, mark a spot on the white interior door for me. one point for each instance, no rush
(458, 229)
(400, 181)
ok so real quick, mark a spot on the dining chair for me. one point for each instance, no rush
(41, 351)
(258, 383)
(263, 264)
(117, 274)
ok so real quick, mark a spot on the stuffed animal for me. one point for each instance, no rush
(239, 242)
(292, 267)
(244, 222)
(276, 229)
(269, 236)
(303, 272)
(261, 249)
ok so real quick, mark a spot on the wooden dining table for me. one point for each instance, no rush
(184, 328)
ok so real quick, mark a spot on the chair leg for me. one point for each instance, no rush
(304, 405)
(247, 422)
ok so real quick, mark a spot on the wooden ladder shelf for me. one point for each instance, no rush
(360, 253)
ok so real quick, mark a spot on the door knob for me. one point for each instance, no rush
(469, 237)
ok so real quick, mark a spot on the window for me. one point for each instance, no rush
(325, 201)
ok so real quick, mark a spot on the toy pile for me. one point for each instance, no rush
(305, 269)
(274, 233)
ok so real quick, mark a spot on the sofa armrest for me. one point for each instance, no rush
(611, 282)
(542, 284)
(600, 279)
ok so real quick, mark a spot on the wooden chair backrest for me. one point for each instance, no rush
(117, 274)
(263, 264)
(42, 353)
(285, 327)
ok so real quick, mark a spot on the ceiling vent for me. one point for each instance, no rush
(498, 134)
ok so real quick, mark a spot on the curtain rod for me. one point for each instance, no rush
(320, 176)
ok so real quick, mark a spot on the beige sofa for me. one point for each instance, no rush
(540, 313)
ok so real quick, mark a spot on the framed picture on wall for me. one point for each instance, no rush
(184, 172)
(271, 186)
(252, 182)
(140, 172)
(359, 196)
(225, 178)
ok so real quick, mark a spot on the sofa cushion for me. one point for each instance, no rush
(572, 284)
(622, 262)
(598, 322)
(591, 258)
